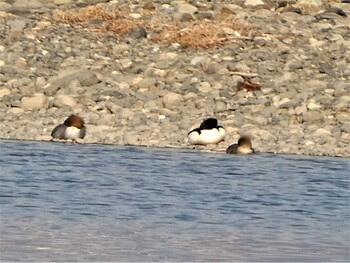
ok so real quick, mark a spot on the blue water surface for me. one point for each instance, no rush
(75, 202)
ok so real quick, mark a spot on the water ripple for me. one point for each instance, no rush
(77, 202)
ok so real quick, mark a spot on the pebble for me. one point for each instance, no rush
(312, 116)
(62, 101)
(35, 102)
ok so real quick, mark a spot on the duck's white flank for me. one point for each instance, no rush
(72, 133)
(207, 136)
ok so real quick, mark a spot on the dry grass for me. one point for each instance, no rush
(194, 34)
(200, 34)
(114, 21)
(85, 14)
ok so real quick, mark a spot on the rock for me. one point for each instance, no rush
(342, 117)
(345, 127)
(230, 9)
(125, 63)
(310, 2)
(204, 87)
(205, 15)
(27, 89)
(197, 60)
(17, 24)
(138, 32)
(147, 83)
(280, 103)
(126, 114)
(62, 101)
(27, 4)
(4, 91)
(40, 82)
(253, 2)
(312, 116)
(62, 2)
(220, 106)
(149, 6)
(172, 100)
(84, 76)
(120, 49)
(162, 64)
(312, 105)
(35, 102)
(340, 88)
(342, 103)
(5, 6)
(131, 139)
(183, 8)
(15, 110)
(260, 120)
(300, 109)
(320, 132)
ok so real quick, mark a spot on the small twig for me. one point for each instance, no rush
(244, 75)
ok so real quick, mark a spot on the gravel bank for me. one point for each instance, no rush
(147, 73)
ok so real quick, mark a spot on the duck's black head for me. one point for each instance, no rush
(208, 124)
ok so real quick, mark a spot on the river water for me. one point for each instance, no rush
(74, 202)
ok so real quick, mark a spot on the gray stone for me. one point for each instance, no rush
(15, 110)
(138, 32)
(321, 132)
(345, 127)
(342, 117)
(342, 103)
(5, 6)
(147, 83)
(220, 106)
(84, 76)
(340, 87)
(27, 4)
(260, 120)
(204, 87)
(205, 14)
(253, 2)
(62, 2)
(62, 101)
(35, 102)
(162, 64)
(172, 100)
(17, 24)
(183, 8)
(4, 91)
(312, 116)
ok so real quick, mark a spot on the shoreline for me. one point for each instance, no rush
(201, 149)
(144, 85)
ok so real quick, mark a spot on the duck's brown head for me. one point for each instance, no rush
(245, 141)
(74, 120)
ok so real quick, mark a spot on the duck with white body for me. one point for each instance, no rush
(209, 132)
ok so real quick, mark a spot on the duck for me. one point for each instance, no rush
(243, 146)
(209, 132)
(72, 129)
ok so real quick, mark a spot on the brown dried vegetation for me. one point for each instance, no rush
(201, 33)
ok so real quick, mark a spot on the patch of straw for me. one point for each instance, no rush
(195, 34)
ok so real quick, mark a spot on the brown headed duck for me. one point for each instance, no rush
(72, 128)
(243, 146)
